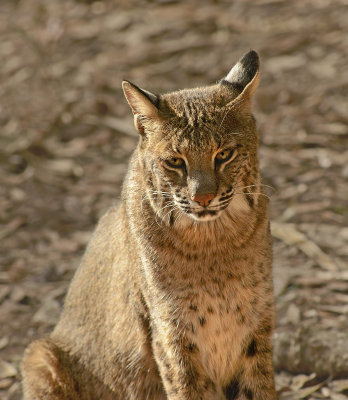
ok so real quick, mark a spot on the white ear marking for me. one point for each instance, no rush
(245, 70)
(236, 73)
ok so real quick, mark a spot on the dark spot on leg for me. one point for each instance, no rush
(232, 390)
(267, 328)
(252, 349)
(254, 281)
(191, 376)
(221, 309)
(262, 369)
(216, 281)
(174, 390)
(248, 394)
(169, 378)
(254, 300)
(241, 319)
(209, 383)
(210, 310)
(192, 347)
(193, 307)
(193, 329)
(202, 321)
(127, 296)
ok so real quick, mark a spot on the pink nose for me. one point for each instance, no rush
(203, 199)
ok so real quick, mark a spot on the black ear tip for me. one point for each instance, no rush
(251, 58)
(250, 63)
(253, 53)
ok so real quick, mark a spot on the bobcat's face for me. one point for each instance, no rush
(198, 146)
(201, 171)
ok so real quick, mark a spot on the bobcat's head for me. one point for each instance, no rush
(198, 147)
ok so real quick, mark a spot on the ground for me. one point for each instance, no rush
(66, 135)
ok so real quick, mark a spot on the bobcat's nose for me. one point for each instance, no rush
(203, 199)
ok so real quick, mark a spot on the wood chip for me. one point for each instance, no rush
(339, 385)
(293, 237)
(7, 370)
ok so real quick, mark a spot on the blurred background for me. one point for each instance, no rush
(66, 134)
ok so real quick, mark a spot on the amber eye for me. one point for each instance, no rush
(224, 155)
(175, 162)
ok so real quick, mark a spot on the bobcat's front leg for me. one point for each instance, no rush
(182, 378)
(255, 379)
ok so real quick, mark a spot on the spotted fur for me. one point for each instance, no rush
(173, 298)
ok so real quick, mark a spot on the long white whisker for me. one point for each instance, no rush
(169, 212)
(250, 194)
(248, 186)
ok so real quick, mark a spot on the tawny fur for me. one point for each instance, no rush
(173, 299)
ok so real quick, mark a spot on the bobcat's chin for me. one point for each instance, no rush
(205, 215)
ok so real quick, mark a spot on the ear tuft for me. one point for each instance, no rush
(245, 72)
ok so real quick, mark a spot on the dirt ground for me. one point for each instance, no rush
(66, 135)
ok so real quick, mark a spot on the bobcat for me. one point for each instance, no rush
(174, 295)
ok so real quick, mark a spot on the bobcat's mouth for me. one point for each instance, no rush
(208, 213)
(204, 213)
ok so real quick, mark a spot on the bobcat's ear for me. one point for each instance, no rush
(244, 76)
(143, 104)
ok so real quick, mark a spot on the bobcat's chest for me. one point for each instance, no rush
(220, 326)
